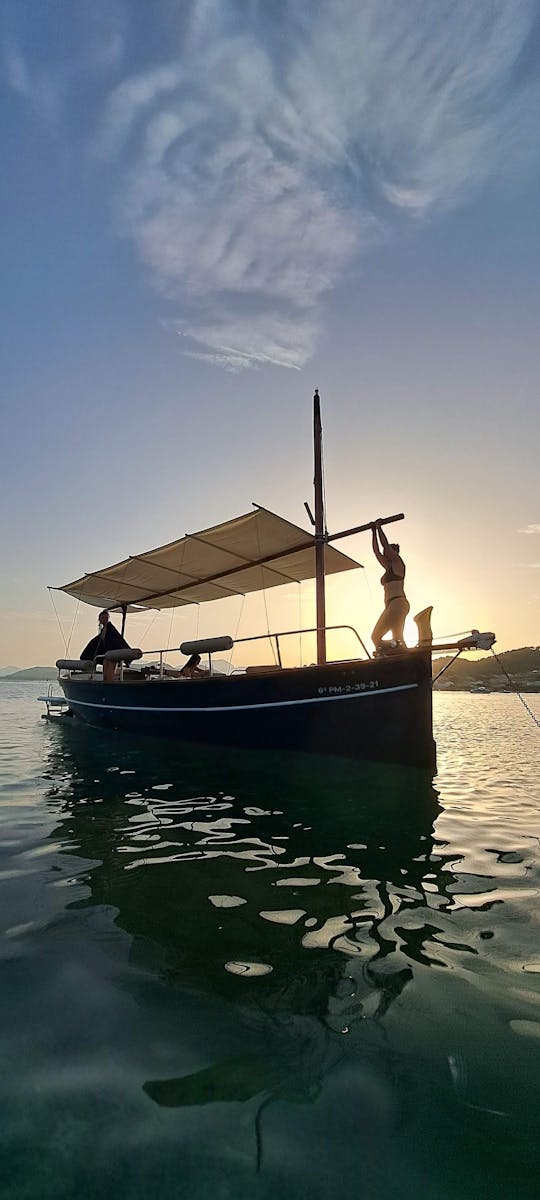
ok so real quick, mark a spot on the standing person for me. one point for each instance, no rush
(396, 605)
(108, 638)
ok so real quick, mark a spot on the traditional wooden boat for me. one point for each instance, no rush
(374, 708)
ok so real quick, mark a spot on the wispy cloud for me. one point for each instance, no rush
(264, 158)
(530, 529)
(99, 35)
(42, 90)
(277, 143)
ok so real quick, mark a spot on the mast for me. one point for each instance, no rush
(320, 535)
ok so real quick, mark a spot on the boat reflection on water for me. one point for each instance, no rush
(277, 885)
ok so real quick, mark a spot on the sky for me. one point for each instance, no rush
(210, 208)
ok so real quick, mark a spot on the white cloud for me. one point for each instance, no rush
(248, 340)
(530, 529)
(47, 87)
(276, 144)
(16, 70)
(259, 169)
(128, 103)
(41, 89)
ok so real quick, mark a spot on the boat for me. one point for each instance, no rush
(367, 707)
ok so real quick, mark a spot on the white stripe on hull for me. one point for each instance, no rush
(232, 708)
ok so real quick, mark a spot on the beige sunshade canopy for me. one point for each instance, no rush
(258, 550)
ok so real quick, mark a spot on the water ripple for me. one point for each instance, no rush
(347, 943)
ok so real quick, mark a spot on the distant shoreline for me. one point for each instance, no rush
(31, 675)
(489, 691)
(509, 671)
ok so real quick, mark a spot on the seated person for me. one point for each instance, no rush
(191, 669)
(108, 638)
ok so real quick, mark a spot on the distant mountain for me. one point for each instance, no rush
(47, 674)
(465, 675)
(43, 673)
(218, 664)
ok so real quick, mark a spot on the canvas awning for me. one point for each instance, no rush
(255, 551)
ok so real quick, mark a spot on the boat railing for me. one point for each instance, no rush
(295, 632)
(271, 637)
(205, 646)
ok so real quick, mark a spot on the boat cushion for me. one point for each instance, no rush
(126, 655)
(75, 664)
(207, 645)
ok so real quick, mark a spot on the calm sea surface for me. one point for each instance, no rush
(227, 975)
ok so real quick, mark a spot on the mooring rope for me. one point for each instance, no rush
(516, 689)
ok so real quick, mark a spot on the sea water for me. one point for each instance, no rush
(248, 975)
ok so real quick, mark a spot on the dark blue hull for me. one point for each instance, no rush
(379, 710)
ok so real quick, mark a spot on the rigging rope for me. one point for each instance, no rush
(73, 624)
(173, 614)
(368, 585)
(239, 618)
(447, 636)
(516, 690)
(263, 589)
(236, 631)
(149, 626)
(323, 484)
(62, 634)
(179, 572)
(268, 624)
(170, 629)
